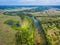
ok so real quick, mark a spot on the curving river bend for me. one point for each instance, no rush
(39, 35)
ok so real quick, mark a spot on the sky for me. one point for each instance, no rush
(29, 2)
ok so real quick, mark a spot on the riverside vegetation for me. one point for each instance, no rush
(29, 28)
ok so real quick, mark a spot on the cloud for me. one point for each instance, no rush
(30, 2)
(41, 2)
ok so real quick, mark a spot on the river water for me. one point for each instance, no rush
(38, 26)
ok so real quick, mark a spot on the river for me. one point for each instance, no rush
(38, 26)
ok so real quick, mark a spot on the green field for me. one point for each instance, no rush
(18, 28)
